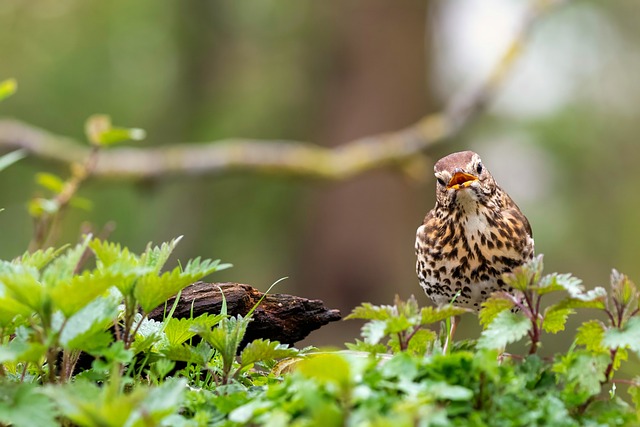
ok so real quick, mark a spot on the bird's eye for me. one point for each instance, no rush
(441, 181)
(479, 168)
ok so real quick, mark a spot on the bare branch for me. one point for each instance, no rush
(283, 157)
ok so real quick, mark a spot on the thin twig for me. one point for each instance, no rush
(285, 157)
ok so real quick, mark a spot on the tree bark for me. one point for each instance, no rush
(278, 317)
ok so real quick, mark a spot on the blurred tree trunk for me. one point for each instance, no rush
(379, 84)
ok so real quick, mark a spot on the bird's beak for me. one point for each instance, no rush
(461, 180)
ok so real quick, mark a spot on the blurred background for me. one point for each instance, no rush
(561, 137)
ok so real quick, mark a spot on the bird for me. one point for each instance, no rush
(473, 236)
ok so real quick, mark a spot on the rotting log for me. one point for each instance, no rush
(279, 317)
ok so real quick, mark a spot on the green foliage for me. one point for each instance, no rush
(203, 371)
(100, 132)
(402, 325)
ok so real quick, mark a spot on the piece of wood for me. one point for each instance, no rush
(279, 317)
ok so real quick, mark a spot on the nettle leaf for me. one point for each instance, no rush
(264, 350)
(399, 323)
(19, 350)
(17, 404)
(40, 258)
(437, 314)
(368, 311)
(594, 298)
(64, 266)
(156, 257)
(87, 404)
(366, 347)
(420, 341)
(374, 331)
(85, 329)
(149, 333)
(178, 331)
(527, 275)
(327, 368)
(152, 290)
(558, 282)
(506, 328)
(23, 285)
(159, 403)
(109, 254)
(626, 337)
(590, 334)
(71, 295)
(555, 318)
(583, 372)
(11, 158)
(226, 337)
(10, 308)
(623, 289)
(198, 267)
(408, 308)
(496, 304)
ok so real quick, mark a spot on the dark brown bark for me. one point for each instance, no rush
(279, 317)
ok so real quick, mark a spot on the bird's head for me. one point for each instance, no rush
(462, 176)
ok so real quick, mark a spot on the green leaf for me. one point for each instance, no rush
(109, 254)
(151, 290)
(368, 311)
(10, 308)
(84, 330)
(19, 350)
(264, 350)
(558, 282)
(583, 372)
(495, 305)
(65, 266)
(527, 275)
(624, 291)
(555, 318)
(100, 131)
(23, 405)
(40, 258)
(366, 347)
(11, 158)
(327, 368)
(590, 334)
(226, 337)
(50, 182)
(420, 341)
(506, 328)
(626, 337)
(86, 404)
(178, 331)
(7, 88)
(437, 314)
(156, 257)
(74, 293)
(374, 331)
(159, 403)
(23, 285)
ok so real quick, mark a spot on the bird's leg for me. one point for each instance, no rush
(454, 320)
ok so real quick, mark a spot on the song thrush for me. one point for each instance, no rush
(473, 235)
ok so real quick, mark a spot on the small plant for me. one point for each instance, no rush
(48, 212)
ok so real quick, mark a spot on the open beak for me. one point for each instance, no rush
(461, 180)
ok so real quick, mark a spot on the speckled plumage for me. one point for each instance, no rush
(473, 235)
